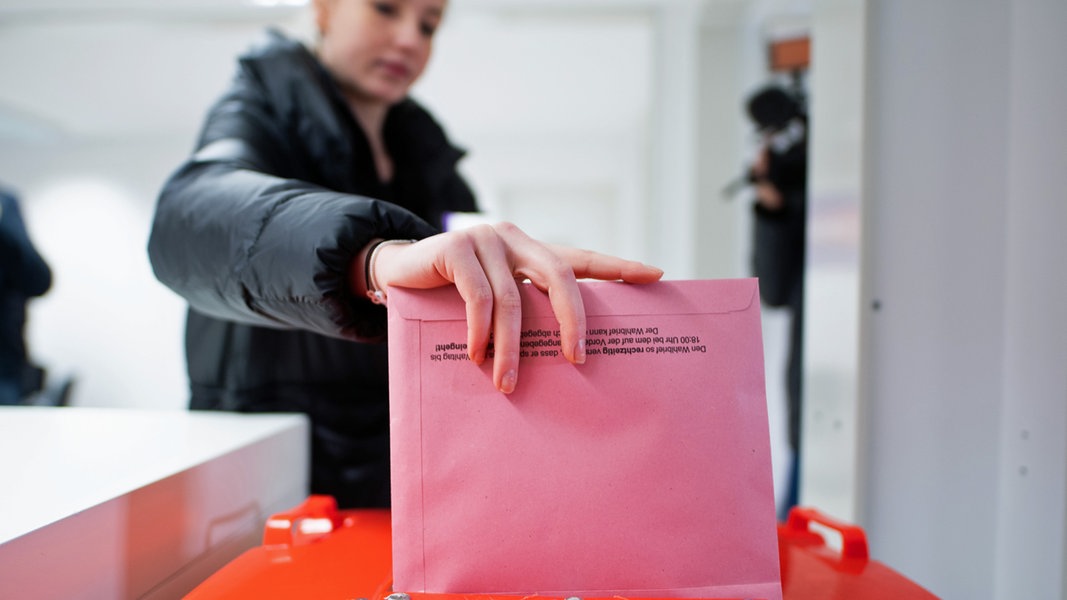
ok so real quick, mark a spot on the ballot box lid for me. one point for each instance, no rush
(318, 551)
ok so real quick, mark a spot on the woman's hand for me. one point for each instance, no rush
(485, 263)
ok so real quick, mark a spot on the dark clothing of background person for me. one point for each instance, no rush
(258, 230)
(23, 275)
(780, 239)
(779, 255)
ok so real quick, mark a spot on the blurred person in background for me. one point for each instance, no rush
(312, 178)
(23, 275)
(779, 179)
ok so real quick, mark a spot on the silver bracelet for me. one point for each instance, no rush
(375, 294)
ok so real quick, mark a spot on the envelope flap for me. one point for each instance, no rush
(600, 298)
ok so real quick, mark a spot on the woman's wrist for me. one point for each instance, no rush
(358, 270)
(366, 280)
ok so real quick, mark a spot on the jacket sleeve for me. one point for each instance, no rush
(241, 239)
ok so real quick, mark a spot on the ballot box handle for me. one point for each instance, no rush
(315, 517)
(853, 539)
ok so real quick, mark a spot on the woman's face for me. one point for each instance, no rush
(377, 48)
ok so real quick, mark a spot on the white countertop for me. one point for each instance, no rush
(88, 474)
(55, 462)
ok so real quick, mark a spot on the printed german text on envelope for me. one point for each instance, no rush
(645, 472)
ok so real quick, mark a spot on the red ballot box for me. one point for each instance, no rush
(318, 551)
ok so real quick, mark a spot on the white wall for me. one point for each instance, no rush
(559, 150)
(938, 144)
(98, 107)
(831, 467)
(105, 323)
(1031, 533)
(583, 121)
(965, 384)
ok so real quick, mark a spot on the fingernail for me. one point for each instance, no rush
(507, 384)
(579, 352)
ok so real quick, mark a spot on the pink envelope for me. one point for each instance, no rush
(645, 472)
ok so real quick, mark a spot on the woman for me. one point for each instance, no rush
(272, 231)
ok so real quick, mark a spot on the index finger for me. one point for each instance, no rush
(547, 270)
(588, 264)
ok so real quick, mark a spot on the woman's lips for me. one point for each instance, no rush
(395, 69)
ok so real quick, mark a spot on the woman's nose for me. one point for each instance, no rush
(407, 33)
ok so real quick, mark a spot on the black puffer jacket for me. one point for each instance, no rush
(258, 231)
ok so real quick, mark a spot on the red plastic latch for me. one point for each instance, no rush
(853, 539)
(316, 516)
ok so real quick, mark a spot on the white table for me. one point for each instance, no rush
(115, 503)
